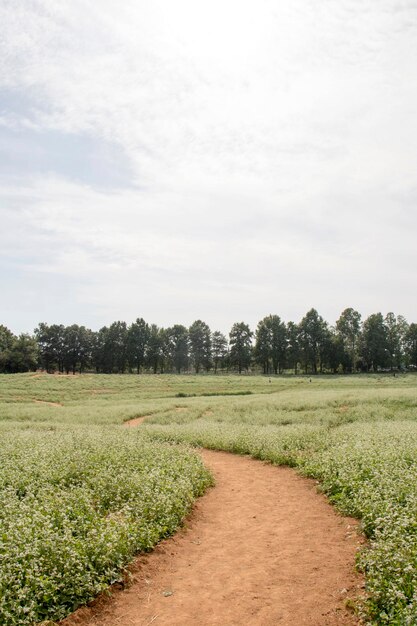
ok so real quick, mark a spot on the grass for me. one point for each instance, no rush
(78, 501)
(357, 435)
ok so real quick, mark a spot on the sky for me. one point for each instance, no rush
(219, 160)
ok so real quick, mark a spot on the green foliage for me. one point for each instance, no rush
(219, 349)
(348, 327)
(312, 344)
(240, 346)
(154, 354)
(410, 344)
(200, 345)
(374, 343)
(371, 473)
(17, 354)
(51, 342)
(176, 340)
(271, 344)
(137, 344)
(356, 434)
(313, 340)
(76, 504)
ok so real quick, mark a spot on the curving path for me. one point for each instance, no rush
(262, 548)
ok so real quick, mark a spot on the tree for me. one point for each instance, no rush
(334, 352)
(263, 347)
(177, 343)
(7, 339)
(293, 346)
(117, 346)
(271, 343)
(403, 328)
(17, 354)
(85, 347)
(137, 344)
(77, 348)
(23, 354)
(51, 341)
(155, 345)
(99, 352)
(313, 336)
(410, 345)
(396, 332)
(219, 347)
(240, 339)
(348, 327)
(278, 334)
(200, 345)
(110, 348)
(373, 343)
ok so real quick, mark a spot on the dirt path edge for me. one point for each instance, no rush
(261, 548)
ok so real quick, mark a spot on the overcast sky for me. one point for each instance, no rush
(221, 160)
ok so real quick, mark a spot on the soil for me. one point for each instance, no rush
(48, 403)
(136, 421)
(261, 548)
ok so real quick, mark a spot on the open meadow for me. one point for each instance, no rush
(80, 494)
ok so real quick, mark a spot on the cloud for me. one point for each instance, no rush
(177, 160)
(27, 152)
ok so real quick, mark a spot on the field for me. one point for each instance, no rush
(76, 486)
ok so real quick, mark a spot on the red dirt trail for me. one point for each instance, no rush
(136, 421)
(261, 548)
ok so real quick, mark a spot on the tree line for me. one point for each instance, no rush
(378, 343)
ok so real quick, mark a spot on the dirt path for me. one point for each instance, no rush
(136, 421)
(47, 402)
(262, 548)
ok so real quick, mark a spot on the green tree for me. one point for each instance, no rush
(117, 346)
(99, 350)
(7, 339)
(178, 347)
(279, 341)
(110, 348)
(348, 327)
(373, 343)
(293, 346)
(313, 336)
(240, 339)
(396, 332)
(77, 348)
(137, 343)
(51, 341)
(200, 345)
(23, 354)
(263, 348)
(271, 344)
(154, 353)
(335, 354)
(410, 345)
(219, 346)
(86, 342)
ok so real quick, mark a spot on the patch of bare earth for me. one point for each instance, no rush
(343, 408)
(261, 548)
(46, 402)
(136, 421)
